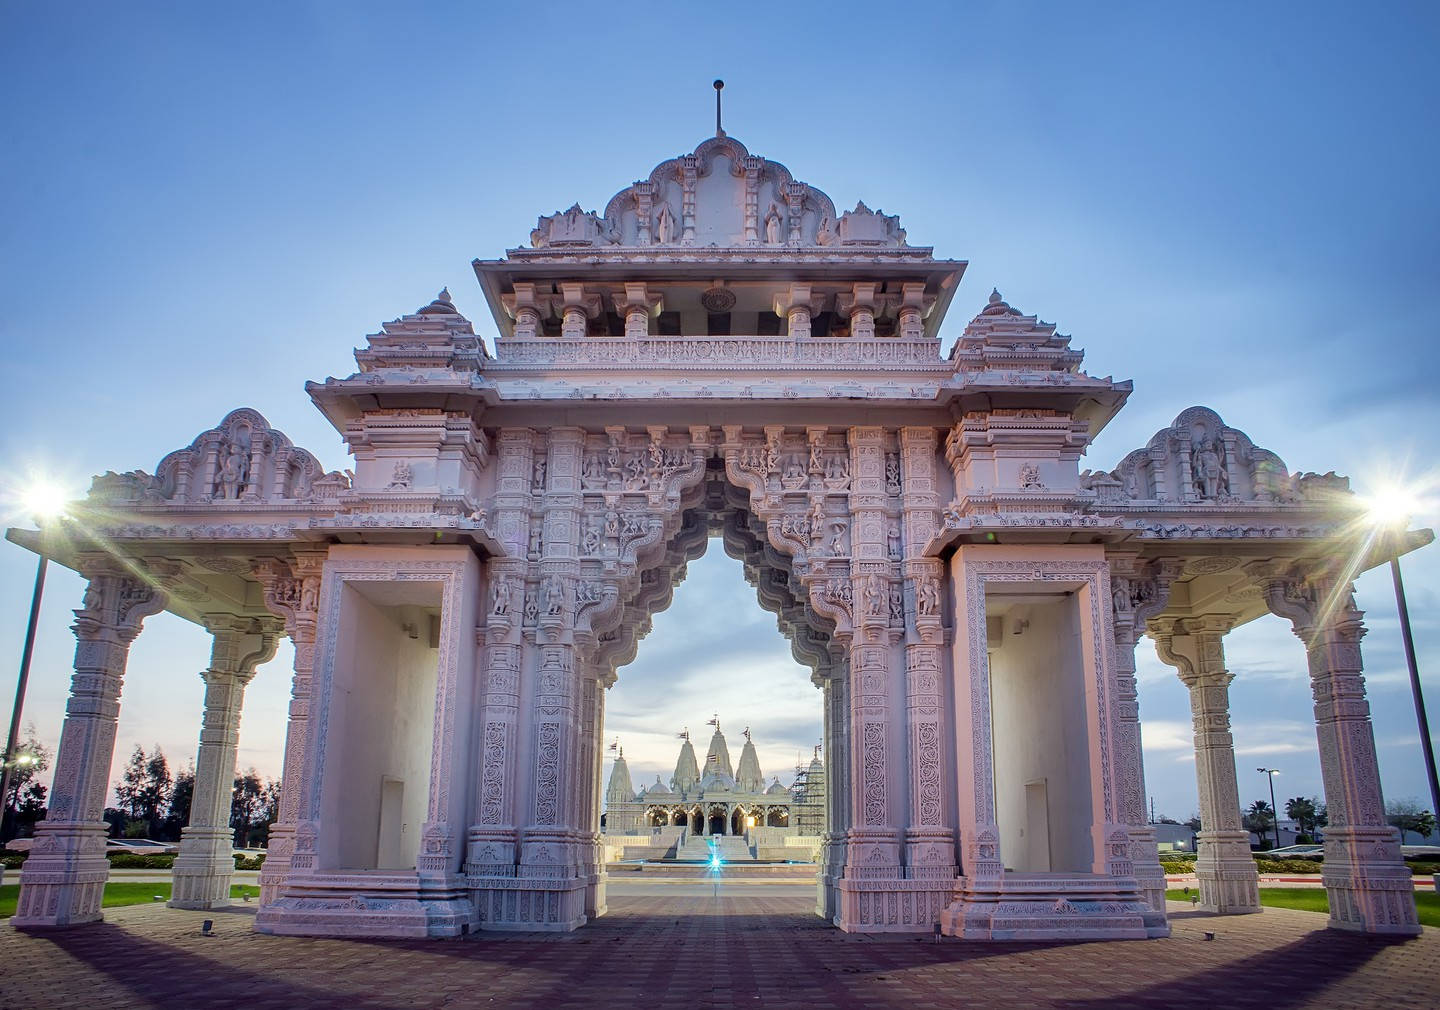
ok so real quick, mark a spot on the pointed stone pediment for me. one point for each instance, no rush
(573, 227)
(865, 227)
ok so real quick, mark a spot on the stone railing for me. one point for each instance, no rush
(734, 352)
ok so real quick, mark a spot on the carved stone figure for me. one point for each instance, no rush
(876, 596)
(1030, 476)
(402, 476)
(592, 470)
(532, 609)
(927, 596)
(772, 226)
(500, 597)
(665, 225)
(897, 605)
(234, 471)
(892, 541)
(537, 479)
(554, 596)
(1208, 470)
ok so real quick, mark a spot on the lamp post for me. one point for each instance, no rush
(1390, 510)
(1426, 746)
(1270, 773)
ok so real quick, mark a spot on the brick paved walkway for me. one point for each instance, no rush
(690, 952)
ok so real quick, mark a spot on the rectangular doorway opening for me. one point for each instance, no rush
(1039, 729)
(382, 724)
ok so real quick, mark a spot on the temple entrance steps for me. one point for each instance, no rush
(730, 848)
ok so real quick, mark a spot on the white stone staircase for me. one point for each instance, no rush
(731, 848)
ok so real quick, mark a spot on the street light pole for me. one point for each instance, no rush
(1426, 746)
(1274, 813)
(14, 737)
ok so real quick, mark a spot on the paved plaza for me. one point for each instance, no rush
(753, 946)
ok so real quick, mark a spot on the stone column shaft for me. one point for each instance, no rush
(1229, 882)
(293, 594)
(1368, 883)
(204, 866)
(62, 882)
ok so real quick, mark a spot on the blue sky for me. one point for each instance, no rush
(1231, 204)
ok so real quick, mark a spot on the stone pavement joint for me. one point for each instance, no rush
(743, 951)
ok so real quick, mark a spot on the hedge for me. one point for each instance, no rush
(140, 861)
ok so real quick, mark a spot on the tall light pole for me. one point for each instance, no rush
(1389, 512)
(1426, 746)
(1270, 774)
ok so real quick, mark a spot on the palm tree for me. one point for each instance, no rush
(1259, 818)
(1301, 810)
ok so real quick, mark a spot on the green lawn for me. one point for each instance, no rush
(1314, 899)
(119, 893)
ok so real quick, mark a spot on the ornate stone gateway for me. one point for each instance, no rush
(718, 353)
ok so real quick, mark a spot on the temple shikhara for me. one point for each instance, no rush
(718, 352)
(715, 798)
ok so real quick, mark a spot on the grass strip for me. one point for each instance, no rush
(119, 893)
(1314, 899)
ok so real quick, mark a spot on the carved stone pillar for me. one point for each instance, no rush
(1369, 885)
(914, 306)
(551, 838)
(292, 592)
(859, 305)
(578, 307)
(205, 865)
(637, 305)
(929, 837)
(795, 306)
(491, 849)
(588, 770)
(837, 777)
(62, 882)
(1229, 883)
(1138, 592)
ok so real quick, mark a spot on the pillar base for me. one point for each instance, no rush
(1051, 906)
(203, 869)
(1149, 874)
(1229, 880)
(63, 881)
(526, 904)
(377, 905)
(1370, 887)
(895, 905)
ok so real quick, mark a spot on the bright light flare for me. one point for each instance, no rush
(1392, 505)
(44, 500)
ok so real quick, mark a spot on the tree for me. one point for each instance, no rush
(269, 815)
(247, 800)
(1302, 810)
(132, 783)
(181, 797)
(1259, 818)
(144, 787)
(1408, 816)
(24, 801)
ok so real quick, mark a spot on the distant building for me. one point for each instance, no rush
(716, 801)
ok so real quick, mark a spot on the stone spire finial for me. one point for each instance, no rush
(719, 86)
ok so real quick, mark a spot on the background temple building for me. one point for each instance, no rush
(718, 800)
